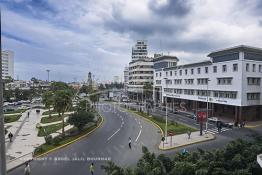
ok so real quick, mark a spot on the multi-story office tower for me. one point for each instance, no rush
(139, 51)
(230, 81)
(140, 70)
(7, 64)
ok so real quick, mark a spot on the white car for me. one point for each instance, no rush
(213, 119)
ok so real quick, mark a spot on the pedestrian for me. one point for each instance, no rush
(27, 169)
(10, 136)
(92, 168)
(189, 134)
(129, 143)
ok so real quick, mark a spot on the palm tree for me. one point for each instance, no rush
(62, 103)
(148, 91)
(47, 99)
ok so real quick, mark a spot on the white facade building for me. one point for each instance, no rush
(7, 64)
(230, 82)
(139, 51)
(140, 69)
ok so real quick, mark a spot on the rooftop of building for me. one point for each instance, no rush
(163, 57)
(195, 64)
(235, 49)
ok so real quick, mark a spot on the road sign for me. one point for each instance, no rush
(202, 116)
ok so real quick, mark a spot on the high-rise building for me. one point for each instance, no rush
(139, 51)
(7, 64)
(140, 70)
(89, 80)
(126, 77)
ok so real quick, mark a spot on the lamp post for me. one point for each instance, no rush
(166, 79)
(2, 128)
(207, 107)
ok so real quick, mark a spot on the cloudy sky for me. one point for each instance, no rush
(73, 37)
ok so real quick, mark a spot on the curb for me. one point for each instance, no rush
(252, 126)
(192, 143)
(73, 141)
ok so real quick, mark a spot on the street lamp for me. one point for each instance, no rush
(207, 107)
(166, 79)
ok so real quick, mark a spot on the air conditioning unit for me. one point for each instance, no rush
(259, 160)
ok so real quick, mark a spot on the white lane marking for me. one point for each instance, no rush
(113, 134)
(138, 135)
(141, 126)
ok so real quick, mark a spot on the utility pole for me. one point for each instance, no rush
(2, 128)
(47, 74)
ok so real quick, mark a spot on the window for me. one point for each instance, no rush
(254, 68)
(224, 68)
(180, 72)
(192, 71)
(206, 70)
(160, 74)
(247, 67)
(158, 81)
(199, 70)
(175, 73)
(235, 67)
(260, 68)
(170, 73)
(166, 73)
(189, 81)
(156, 74)
(214, 69)
(185, 71)
(177, 81)
(224, 81)
(202, 81)
(253, 96)
(253, 81)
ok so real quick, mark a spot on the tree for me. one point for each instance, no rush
(148, 90)
(94, 96)
(62, 103)
(80, 119)
(47, 100)
(56, 86)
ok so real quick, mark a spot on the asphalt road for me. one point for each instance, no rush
(110, 141)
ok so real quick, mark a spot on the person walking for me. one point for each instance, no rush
(27, 169)
(92, 168)
(10, 136)
(129, 143)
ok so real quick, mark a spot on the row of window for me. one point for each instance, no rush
(220, 81)
(206, 70)
(218, 94)
(253, 96)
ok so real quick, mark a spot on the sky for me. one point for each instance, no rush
(74, 37)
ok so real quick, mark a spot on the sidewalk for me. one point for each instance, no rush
(253, 124)
(25, 139)
(182, 140)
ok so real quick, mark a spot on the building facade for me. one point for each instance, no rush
(140, 70)
(126, 77)
(7, 64)
(229, 83)
(139, 51)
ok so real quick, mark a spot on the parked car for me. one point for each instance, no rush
(213, 119)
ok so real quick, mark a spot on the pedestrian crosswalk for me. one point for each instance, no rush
(215, 130)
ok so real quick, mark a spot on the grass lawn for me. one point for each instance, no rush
(51, 119)
(175, 128)
(46, 130)
(12, 118)
(47, 112)
(16, 111)
(45, 147)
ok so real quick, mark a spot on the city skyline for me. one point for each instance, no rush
(80, 35)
